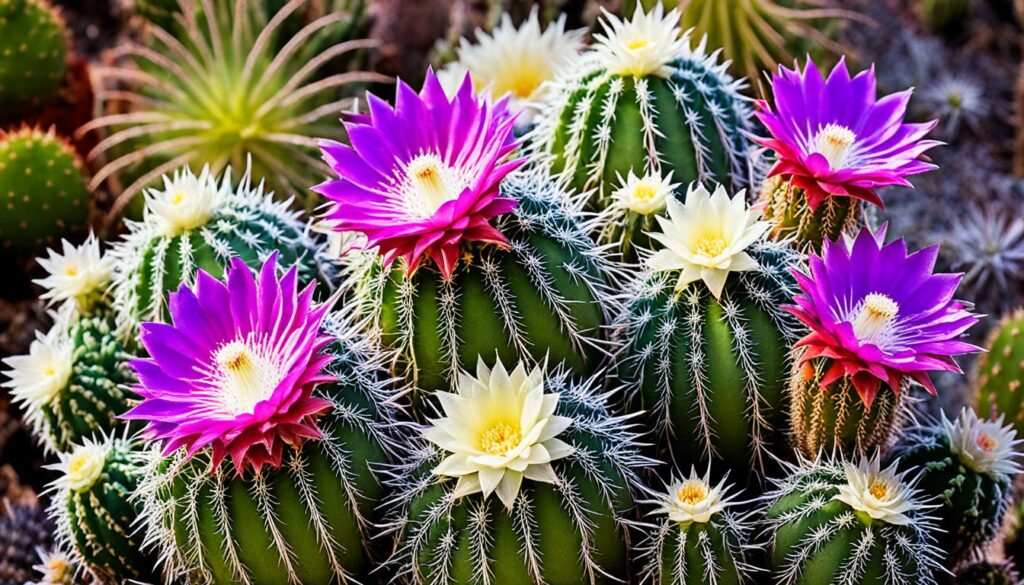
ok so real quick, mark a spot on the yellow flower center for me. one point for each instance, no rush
(429, 185)
(986, 443)
(49, 370)
(178, 198)
(246, 377)
(834, 143)
(879, 489)
(637, 44)
(645, 192)
(876, 314)
(77, 463)
(500, 438)
(692, 493)
(711, 246)
(71, 271)
(519, 79)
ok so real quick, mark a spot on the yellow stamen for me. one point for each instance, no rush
(692, 493)
(178, 198)
(879, 489)
(876, 313)
(71, 271)
(711, 246)
(834, 143)
(500, 438)
(637, 44)
(242, 375)
(645, 192)
(430, 185)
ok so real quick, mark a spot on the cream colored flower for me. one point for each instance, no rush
(77, 274)
(82, 466)
(514, 61)
(694, 499)
(641, 46)
(645, 195)
(55, 567)
(499, 428)
(705, 238)
(186, 201)
(37, 378)
(882, 494)
(985, 446)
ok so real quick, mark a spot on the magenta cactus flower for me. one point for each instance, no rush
(422, 177)
(235, 370)
(880, 314)
(834, 138)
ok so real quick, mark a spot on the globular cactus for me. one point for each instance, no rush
(33, 49)
(1000, 372)
(708, 362)
(546, 476)
(72, 383)
(831, 521)
(946, 17)
(42, 190)
(968, 467)
(988, 573)
(643, 101)
(94, 513)
(193, 223)
(697, 539)
(785, 205)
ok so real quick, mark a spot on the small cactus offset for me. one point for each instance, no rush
(968, 467)
(73, 382)
(831, 521)
(192, 224)
(42, 190)
(544, 476)
(643, 101)
(698, 540)
(988, 573)
(94, 514)
(1000, 372)
(33, 49)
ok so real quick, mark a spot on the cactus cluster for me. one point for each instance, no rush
(33, 48)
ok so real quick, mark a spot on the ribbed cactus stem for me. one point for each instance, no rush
(786, 206)
(33, 47)
(1000, 372)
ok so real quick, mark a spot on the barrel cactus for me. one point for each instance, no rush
(641, 100)
(709, 362)
(968, 466)
(462, 267)
(248, 370)
(193, 223)
(831, 521)
(94, 514)
(829, 161)
(72, 383)
(33, 46)
(878, 320)
(524, 480)
(1000, 372)
(697, 539)
(42, 188)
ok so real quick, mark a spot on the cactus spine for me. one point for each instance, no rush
(33, 48)
(42, 189)
(1000, 372)
(785, 205)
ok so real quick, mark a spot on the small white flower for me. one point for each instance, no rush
(985, 446)
(56, 568)
(643, 45)
(81, 467)
(500, 428)
(694, 499)
(645, 195)
(882, 494)
(517, 62)
(37, 378)
(76, 274)
(186, 201)
(705, 237)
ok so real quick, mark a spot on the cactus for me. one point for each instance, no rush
(93, 512)
(558, 524)
(676, 113)
(195, 224)
(72, 383)
(945, 17)
(33, 49)
(785, 205)
(546, 294)
(699, 541)
(711, 372)
(834, 522)
(1000, 372)
(968, 466)
(24, 527)
(239, 87)
(42, 188)
(988, 573)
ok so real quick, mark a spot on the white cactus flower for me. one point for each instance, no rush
(694, 499)
(76, 274)
(186, 201)
(641, 46)
(882, 494)
(985, 446)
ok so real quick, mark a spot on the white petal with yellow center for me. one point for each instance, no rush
(83, 466)
(986, 446)
(694, 499)
(77, 273)
(36, 379)
(499, 428)
(705, 238)
(644, 195)
(643, 45)
(882, 494)
(186, 201)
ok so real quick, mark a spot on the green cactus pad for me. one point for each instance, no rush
(711, 373)
(42, 191)
(786, 207)
(33, 49)
(1000, 373)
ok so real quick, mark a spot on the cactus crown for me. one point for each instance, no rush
(33, 47)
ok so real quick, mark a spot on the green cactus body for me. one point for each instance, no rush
(545, 296)
(94, 511)
(835, 418)
(33, 49)
(244, 223)
(1000, 373)
(42, 190)
(689, 125)
(305, 522)
(786, 206)
(562, 533)
(988, 573)
(946, 17)
(711, 373)
(817, 539)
